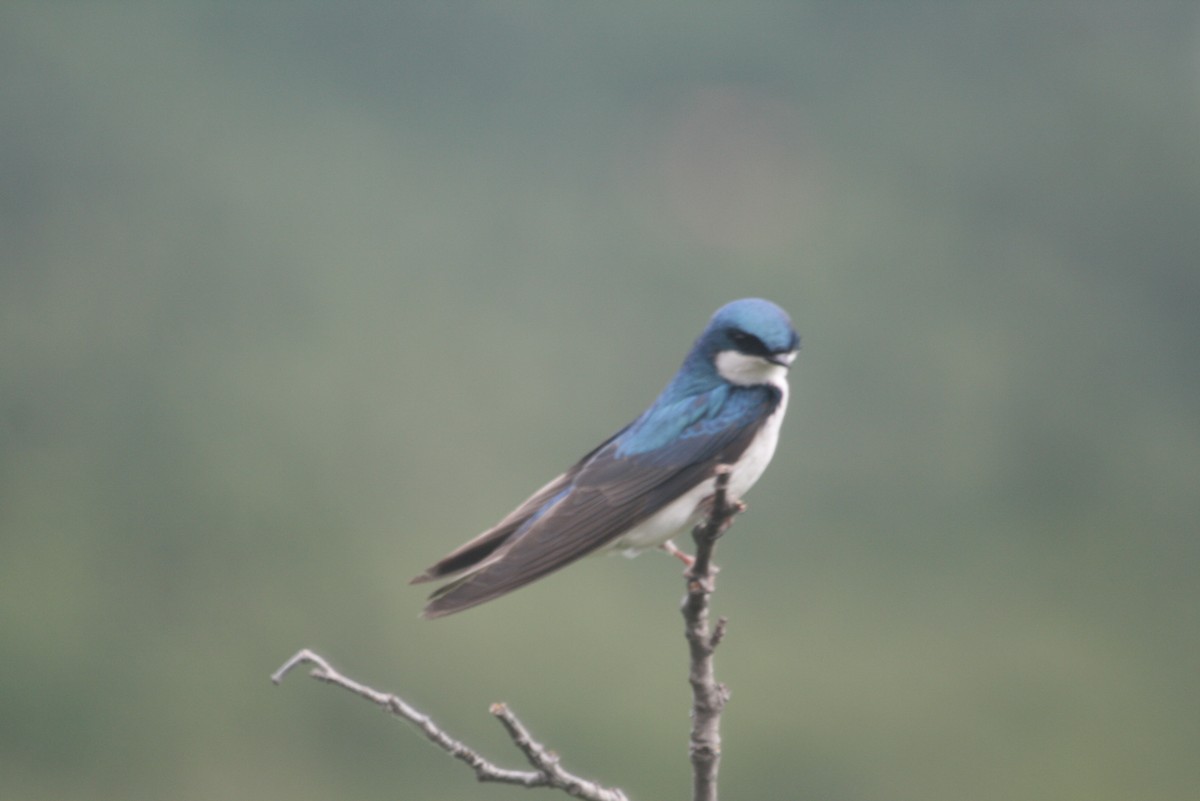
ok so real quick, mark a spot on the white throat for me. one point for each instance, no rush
(747, 371)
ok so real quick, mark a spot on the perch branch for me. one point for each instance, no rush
(547, 771)
(708, 694)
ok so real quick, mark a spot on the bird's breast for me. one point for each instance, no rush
(754, 460)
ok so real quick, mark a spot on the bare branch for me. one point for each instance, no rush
(547, 770)
(708, 695)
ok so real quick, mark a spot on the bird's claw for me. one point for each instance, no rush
(671, 548)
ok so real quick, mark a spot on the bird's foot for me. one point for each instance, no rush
(672, 549)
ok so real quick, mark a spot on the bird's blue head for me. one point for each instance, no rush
(747, 342)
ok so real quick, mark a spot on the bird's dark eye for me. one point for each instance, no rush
(748, 343)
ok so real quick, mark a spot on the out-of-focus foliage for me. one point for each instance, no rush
(295, 297)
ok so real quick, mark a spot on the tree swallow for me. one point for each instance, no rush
(650, 480)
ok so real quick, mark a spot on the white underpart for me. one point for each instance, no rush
(683, 513)
(747, 371)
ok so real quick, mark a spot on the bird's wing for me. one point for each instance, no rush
(607, 495)
(471, 554)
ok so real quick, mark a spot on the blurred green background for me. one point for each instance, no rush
(294, 298)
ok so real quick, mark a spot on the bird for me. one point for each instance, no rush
(649, 481)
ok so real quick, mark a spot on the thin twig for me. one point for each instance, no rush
(547, 770)
(708, 695)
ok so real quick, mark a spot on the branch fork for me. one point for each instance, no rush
(547, 772)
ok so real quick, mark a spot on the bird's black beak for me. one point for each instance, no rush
(782, 359)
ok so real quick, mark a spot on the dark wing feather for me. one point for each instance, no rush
(472, 553)
(610, 494)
